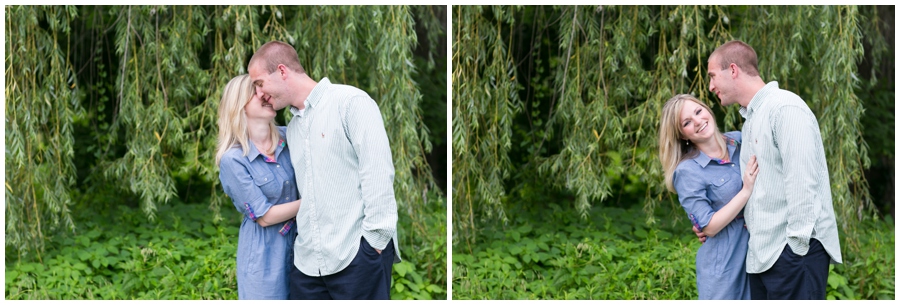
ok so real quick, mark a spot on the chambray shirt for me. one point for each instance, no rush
(791, 200)
(345, 175)
(255, 183)
(704, 186)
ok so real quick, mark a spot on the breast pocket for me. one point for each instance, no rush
(723, 188)
(266, 183)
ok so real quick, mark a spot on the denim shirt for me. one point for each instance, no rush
(255, 183)
(704, 186)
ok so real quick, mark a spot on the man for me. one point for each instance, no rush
(347, 224)
(793, 232)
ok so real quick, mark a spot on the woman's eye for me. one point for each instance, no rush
(698, 111)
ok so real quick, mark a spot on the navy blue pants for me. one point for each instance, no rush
(368, 277)
(793, 277)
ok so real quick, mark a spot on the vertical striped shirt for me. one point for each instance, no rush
(345, 176)
(791, 200)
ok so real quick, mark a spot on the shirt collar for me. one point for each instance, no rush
(254, 152)
(704, 159)
(758, 99)
(313, 98)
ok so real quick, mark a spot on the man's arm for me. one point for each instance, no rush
(376, 170)
(796, 134)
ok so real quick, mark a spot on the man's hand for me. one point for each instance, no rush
(700, 235)
(376, 250)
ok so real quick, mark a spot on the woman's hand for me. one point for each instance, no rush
(750, 173)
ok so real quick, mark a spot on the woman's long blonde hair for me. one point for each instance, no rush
(233, 118)
(672, 149)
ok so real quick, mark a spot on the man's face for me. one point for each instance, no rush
(269, 86)
(720, 81)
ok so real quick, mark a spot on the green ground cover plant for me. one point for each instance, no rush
(616, 255)
(118, 254)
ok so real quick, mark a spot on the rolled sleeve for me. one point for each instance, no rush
(692, 195)
(376, 171)
(243, 190)
(801, 172)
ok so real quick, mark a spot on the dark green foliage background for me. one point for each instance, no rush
(557, 108)
(111, 132)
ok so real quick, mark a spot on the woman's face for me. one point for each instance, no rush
(256, 108)
(697, 124)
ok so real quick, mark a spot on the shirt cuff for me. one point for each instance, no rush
(286, 227)
(376, 240)
(800, 245)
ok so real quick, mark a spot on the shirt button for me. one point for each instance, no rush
(280, 165)
(723, 180)
(732, 165)
(265, 179)
(285, 198)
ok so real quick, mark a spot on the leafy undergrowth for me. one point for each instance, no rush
(616, 255)
(182, 255)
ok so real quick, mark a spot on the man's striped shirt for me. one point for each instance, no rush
(791, 200)
(345, 173)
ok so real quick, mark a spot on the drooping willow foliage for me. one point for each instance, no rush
(126, 98)
(567, 98)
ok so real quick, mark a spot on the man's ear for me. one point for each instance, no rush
(283, 70)
(735, 70)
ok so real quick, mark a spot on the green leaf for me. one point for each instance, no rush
(84, 255)
(11, 276)
(525, 229)
(26, 268)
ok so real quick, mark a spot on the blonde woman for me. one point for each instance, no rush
(256, 172)
(702, 165)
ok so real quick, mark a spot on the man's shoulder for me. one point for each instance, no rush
(787, 98)
(347, 92)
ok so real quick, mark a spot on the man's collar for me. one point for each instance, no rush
(317, 92)
(313, 98)
(759, 99)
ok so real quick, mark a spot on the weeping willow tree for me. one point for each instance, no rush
(126, 98)
(568, 98)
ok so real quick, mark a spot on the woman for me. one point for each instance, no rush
(702, 165)
(256, 172)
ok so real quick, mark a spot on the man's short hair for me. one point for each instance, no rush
(276, 53)
(739, 53)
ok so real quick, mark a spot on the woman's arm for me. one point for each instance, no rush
(726, 214)
(279, 213)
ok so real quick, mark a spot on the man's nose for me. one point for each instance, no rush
(711, 87)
